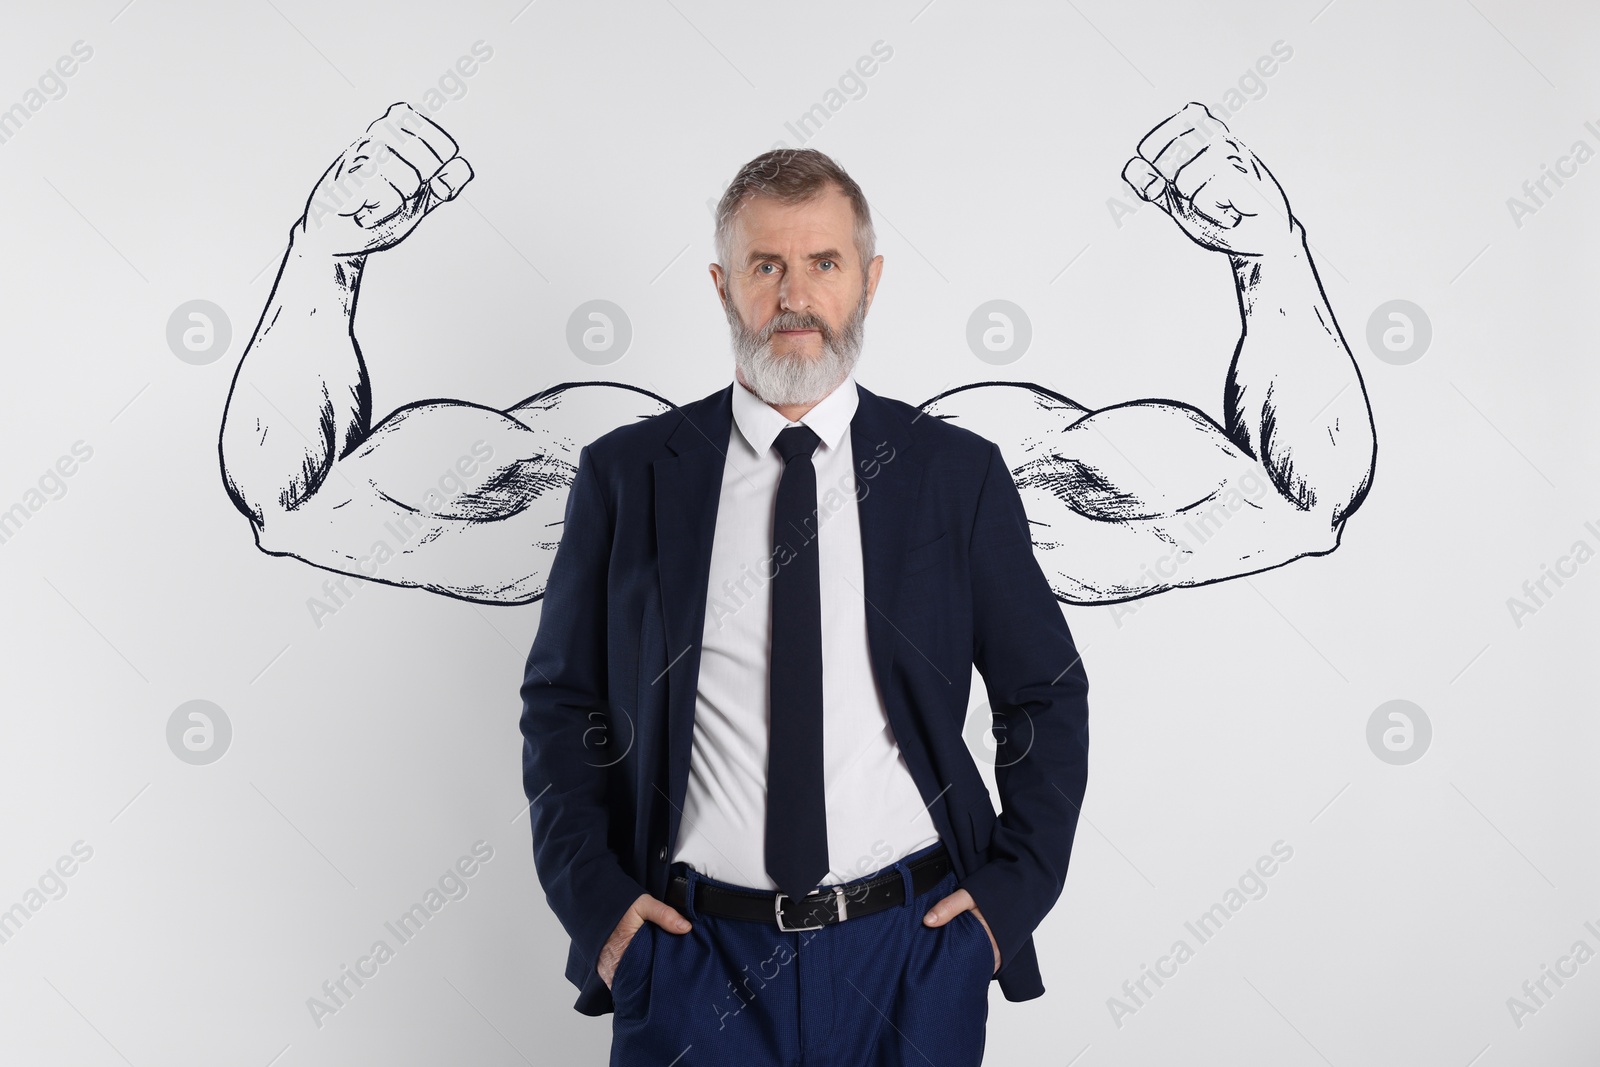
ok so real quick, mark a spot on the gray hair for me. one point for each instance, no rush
(793, 176)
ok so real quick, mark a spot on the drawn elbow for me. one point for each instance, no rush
(1319, 533)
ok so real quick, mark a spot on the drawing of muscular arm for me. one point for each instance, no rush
(1125, 501)
(1141, 497)
(444, 495)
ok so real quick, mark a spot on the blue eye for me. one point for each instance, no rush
(829, 262)
(764, 266)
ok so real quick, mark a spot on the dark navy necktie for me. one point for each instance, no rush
(797, 824)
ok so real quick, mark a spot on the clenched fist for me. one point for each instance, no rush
(1214, 187)
(380, 187)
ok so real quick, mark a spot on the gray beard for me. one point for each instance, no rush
(796, 379)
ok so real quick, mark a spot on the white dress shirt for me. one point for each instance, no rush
(875, 813)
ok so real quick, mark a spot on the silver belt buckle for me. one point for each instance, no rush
(838, 903)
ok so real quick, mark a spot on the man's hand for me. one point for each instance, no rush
(1214, 187)
(380, 187)
(645, 908)
(954, 905)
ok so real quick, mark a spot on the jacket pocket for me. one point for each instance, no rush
(650, 688)
(925, 555)
(982, 821)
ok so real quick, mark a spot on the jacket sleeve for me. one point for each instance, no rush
(1038, 693)
(564, 707)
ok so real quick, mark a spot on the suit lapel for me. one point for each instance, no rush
(887, 476)
(688, 486)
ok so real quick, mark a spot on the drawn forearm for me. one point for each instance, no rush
(300, 398)
(1294, 398)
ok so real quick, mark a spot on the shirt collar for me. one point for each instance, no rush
(760, 423)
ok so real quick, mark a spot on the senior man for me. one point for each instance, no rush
(777, 594)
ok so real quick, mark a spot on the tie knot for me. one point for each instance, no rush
(795, 441)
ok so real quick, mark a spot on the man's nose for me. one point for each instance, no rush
(794, 294)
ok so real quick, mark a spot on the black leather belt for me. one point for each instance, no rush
(821, 907)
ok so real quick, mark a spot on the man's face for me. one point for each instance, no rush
(796, 295)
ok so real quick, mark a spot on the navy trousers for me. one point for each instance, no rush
(880, 990)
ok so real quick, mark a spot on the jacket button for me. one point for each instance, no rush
(662, 854)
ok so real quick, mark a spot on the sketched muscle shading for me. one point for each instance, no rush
(1125, 501)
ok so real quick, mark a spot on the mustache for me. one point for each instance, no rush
(793, 320)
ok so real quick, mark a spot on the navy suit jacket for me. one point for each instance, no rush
(951, 581)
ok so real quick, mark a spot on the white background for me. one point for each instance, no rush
(370, 753)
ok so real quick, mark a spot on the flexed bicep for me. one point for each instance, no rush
(444, 495)
(1136, 498)
(1140, 497)
(457, 498)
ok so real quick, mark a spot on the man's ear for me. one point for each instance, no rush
(874, 272)
(718, 280)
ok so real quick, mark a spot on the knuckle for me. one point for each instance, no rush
(397, 115)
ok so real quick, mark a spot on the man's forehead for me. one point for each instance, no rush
(824, 221)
